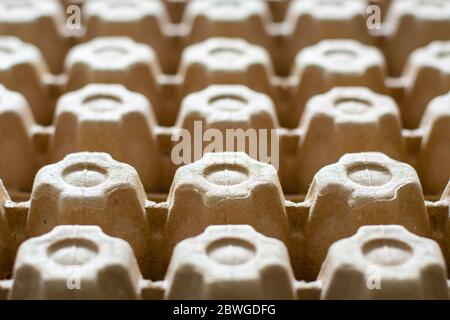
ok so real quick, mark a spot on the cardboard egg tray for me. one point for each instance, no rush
(351, 202)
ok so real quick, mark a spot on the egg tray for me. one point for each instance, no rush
(225, 232)
(359, 115)
(317, 69)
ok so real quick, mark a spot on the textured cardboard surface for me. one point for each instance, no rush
(354, 205)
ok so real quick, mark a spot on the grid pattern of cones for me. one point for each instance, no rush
(94, 95)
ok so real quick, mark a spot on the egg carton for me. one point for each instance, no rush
(358, 117)
(225, 232)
